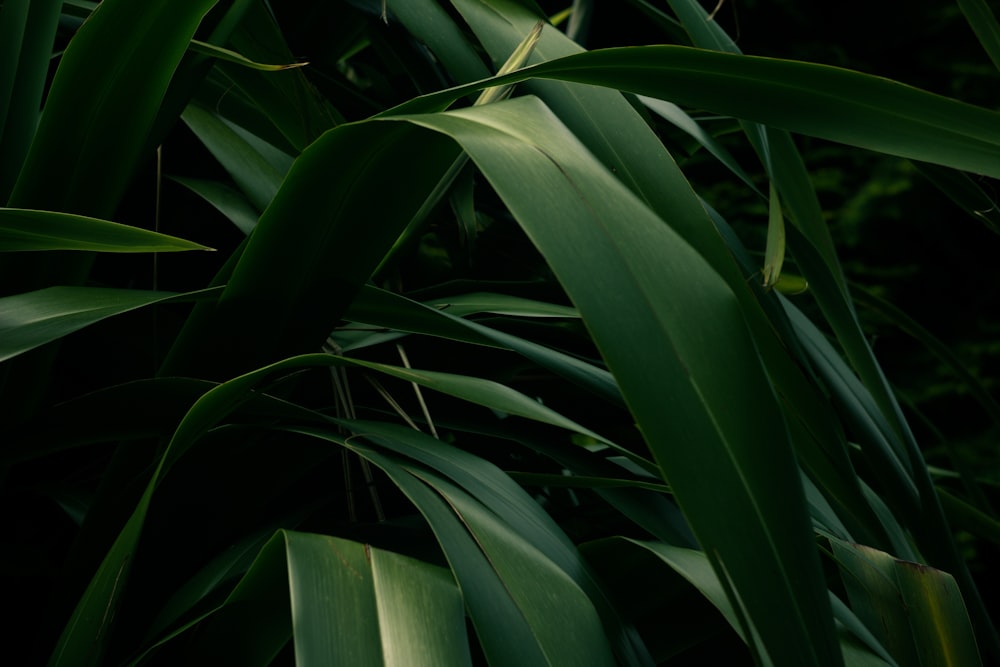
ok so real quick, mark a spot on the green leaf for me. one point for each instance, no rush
(622, 277)
(225, 199)
(382, 308)
(493, 395)
(96, 118)
(774, 253)
(256, 167)
(916, 611)
(287, 100)
(355, 605)
(314, 247)
(816, 100)
(233, 57)
(516, 61)
(430, 23)
(676, 116)
(84, 639)
(526, 609)
(857, 643)
(30, 320)
(22, 229)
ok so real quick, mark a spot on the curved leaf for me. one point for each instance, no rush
(817, 100)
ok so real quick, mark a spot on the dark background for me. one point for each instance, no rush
(897, 235)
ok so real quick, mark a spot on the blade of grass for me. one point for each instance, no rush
(355, 605)
(430, 23)
(677, 117)
(493, 395)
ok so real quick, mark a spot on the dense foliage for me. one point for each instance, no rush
(486, 331)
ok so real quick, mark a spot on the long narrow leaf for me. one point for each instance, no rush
(30, 320)
(817, 100)
(22, 229)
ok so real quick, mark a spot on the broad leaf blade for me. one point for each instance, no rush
(639, 287)
(915, 610)
(354, 605)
